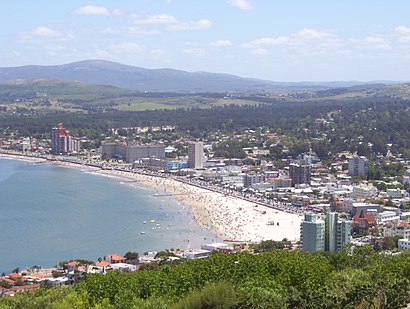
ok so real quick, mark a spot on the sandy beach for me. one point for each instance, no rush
(230, 218)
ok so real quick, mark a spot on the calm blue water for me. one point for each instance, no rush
(50, 213)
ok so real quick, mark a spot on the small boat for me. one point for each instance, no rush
(142, 233)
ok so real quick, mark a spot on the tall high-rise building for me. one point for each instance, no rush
(62, 141)
(328, 234)
(312, 233)
(358, 166)
(299, 173)
(195, 154)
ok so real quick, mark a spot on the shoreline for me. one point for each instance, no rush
(230, 218)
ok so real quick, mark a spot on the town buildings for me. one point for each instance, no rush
(358, 166)
(312, 233)
(132, 152)
(327, 233)
(195, 155)
(300, 173)
(63, 142)
(363, 223)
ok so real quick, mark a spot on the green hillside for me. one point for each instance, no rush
(277, 279)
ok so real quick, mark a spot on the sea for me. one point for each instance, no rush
(50, 213)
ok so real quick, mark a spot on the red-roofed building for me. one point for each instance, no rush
(115, 258)
(72, 265)
(362, 223)
(102, 264)
(15, 277)
(100, 267)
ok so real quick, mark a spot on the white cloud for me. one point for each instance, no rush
(266, 42)
(161, 19)
(402, 33)
(309, 34)
(141, 31)
(306, 41)
(220, 43)
(42, 35)
(160, 55)
(45, 32)
(92, 10)
(194, 25)
(127, 48)
(109, 31)
(242, 4)
(198, 52)
(172, 23)
(402, 30)
(117, 12)
(376, 42)
(158, 52)
(260, 51)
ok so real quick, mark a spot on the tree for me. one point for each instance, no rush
(214, 295)
(131, 255)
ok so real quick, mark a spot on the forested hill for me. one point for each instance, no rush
(34, 88)
(124, 76)
(156, 80)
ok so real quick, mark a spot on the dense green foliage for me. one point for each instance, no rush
(277, 279)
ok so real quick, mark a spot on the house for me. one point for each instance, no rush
(221, 247)
(29, 287)
(15, 277)
(362, 223)
(99, 267)
(72, 266)
(196, 254)
(115, 258)
(404, 244)
(124, 267)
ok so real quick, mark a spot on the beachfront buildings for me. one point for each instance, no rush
(300, 173)
(329, 233)
(337, 232)
(358, 166)
(62, 141)
(312, 233)
(195, 154)
(132, 152)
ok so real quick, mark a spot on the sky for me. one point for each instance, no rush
(292, 40)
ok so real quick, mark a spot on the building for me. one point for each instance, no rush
(363, 192)
(196, 254)
(404, 244)
(312, 234)
(330, 234)
(62, 141)
(195, 155)
(338, 232)
(356, 208)
(300, 173)
(132, 152)
(175, 165)
(362, 223)
(252, 178)
(358, 166)
(115, 258)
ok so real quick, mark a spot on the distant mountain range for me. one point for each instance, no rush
(103, 72)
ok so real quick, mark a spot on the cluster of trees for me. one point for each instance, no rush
(276, 279)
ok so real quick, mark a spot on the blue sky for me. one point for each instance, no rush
(294, 40)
